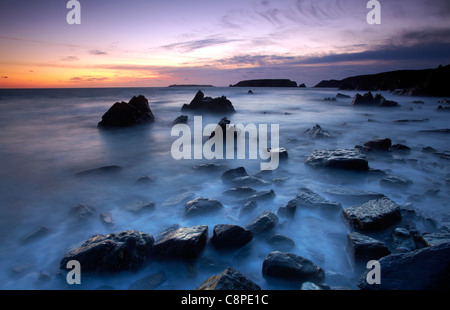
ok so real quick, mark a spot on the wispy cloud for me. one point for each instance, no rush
(192, 45)
(97, 52)
(88, 79)
(69, 58)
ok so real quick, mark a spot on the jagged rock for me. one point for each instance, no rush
(347, 159)
(424, 269)
(122, 114)
(124, 251)
(230, 279)
(316, 132)
(208, 104)
(184, 242)
(362, 248)
(263, 223)
(288, 266)
(200, 206)
(373, 215)
(369, 99)
(227, 236)
(308, 199)
(182, 119)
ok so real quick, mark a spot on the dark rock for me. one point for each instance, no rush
(150, 282)
(424, 269)
(147, 179)
(378, 145)
(261, 195)
(288, 266)
(373, 215)
(402, 240)
(362, 248)
(263, 223)
(231, 280)
(281, 242)
(122, 114)
(244, 191)
(182, 119)
(266, 83)
(208, 104)
(353, 196)
(248, 207)
(394, 180)
(443, 109)
(366, 99)
(124, 251)
(308, 199)
(180, 199)
(400, 148)
(340, 95)
(248, 181)
(184, 243)
(231, 174)
(330, 99)
(36, 234)
(302, 85)
(250, 92)
(227, 236)
(208, 167)
(82, 212)
(288, 210)
(433, 239)
(316, 132)
(200, 206)
(347, 159)
(106, 170)
(140, 206)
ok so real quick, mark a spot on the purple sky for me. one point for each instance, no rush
(158, 43)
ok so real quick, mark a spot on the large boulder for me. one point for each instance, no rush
(424, 269)
(123, 251)
(208, 104)
(347, 159)
(363, 248)
(122, 114)
(201, 206)
(375, 214)
(368, 99)
(310, 200)
(230, 279)
(382, 144)
(227, 236)
(184, 242)
(291, 267)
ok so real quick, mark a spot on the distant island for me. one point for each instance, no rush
(266, 83)
(427, 82)
(190, 85)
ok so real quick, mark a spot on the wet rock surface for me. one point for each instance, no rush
(229, 279)
(346, 159)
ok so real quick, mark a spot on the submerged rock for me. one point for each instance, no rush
(347, 159)
(227, 236)
(200, 206)
(316, 132)
(208, 104)
(230, 279)
(122, 114)
(182, 119)
(263, 223)
(373, 215)
(281, 242)
(184, 242)
(102, 171)
(424, 269)
(288, 266)
(123, 251)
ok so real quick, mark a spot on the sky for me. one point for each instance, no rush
(146, 43)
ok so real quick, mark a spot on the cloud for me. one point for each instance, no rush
(70, 58)
(4, 77)
(88, 79)
(97, 52)
(192, 45)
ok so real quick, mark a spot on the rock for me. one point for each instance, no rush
(231, 174)
(182, 119)
(82, 212)
(340, 95)
(227, 236)
(150, 282)
(434, 239)
(373, 215)
(378, 145)
(208, 167)
(208, 104)
(424, 269)
(366, 99)
(184, 242)
(263, 223)
(201, 206)
(122, 114)
(443, 109)
(181, 198)
(346, 159)
(243, 191)
(248, 207)
(281, 242)
(230, 279)
(308, 199)
(402, 240)
(102, 171)
(140, 206)
(362, 248)
(417, 102)
(262, 195)
(147, 179)
(310, 286)
(353, 196)
(316, 132)
(288, 266)
(124, 251)
(302, 85)
(394, 180)
(36, 234)
(329, 99)
(250, 92)
(400, 148)
(248, 181)
(107, 219)
(288, 210)
(282, 153)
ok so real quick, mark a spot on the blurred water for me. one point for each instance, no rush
(49, 135)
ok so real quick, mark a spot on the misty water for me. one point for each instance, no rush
(48, 136)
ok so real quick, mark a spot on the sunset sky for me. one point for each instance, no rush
(139, 43)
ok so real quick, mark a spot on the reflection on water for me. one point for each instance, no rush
(48, 136)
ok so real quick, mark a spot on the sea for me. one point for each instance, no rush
(48, 136)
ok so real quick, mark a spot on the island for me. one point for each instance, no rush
(426, 82)
(266, 83)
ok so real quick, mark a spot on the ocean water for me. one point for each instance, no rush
(49, 135)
